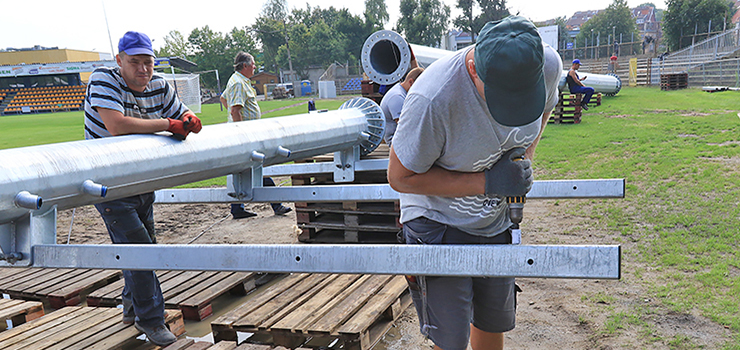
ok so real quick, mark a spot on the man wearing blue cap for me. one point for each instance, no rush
(465, 126)
(576, 86)
(130, 99)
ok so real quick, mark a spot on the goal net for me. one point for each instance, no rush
(187, 87)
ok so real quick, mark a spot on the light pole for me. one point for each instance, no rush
(614, 37)
(592, 43)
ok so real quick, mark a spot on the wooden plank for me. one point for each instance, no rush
(199, 301)
(180, 344)
(302, 302)
(338, 297)
(376, 306)
(53, 333)
(38, 323)
(182, 282)
(255, 318)
(35, 277)
(259, 300)
(92, 331)
(213, 280)
(290, 322)
(347, 308)
(53, 280)
(28, 310)
(10, 274)
(223, 345)
(97, 278)
(122, 333)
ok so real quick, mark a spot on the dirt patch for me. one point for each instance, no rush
(618, 116)
(552, 313)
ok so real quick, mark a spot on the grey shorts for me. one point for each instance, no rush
(448, 305)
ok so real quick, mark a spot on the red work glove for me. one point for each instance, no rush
(178, 129)
(192, 123)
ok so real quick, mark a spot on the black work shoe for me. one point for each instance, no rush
(584, 106)
(243, 214)
(282, 210)
(158, 335)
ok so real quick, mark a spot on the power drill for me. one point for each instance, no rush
(516, 213)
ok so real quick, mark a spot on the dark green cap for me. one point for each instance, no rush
(509, 61)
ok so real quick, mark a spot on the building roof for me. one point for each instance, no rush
(579, 18)
(736, 17)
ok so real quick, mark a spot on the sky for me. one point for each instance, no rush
(97, 25)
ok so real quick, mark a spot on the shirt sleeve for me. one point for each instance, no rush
(419, 140)
(395, 104)
(553, 71)
(105, 91)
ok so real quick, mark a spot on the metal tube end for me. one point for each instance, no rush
(25, 199)
(283, 151)
(94, 189)
(257, 156)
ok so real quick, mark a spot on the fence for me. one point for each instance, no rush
(716, 73)
(603, 51)
(709, 49)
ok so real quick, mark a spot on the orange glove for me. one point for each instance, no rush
(191, 122)
(178, 129)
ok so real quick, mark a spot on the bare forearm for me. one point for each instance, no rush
(236, 113)
(118, 124)
(435, 182)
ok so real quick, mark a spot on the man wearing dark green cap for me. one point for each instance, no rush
(465, 125)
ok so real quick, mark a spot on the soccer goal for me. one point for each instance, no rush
(187, 87)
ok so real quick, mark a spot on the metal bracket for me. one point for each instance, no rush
(344, 163)
(19, 236)
(241, 185)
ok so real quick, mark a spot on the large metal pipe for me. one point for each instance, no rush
(79, 173)
(386, 58)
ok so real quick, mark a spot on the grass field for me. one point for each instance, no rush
(677, 150)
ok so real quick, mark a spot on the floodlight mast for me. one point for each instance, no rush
(386, 57)
(37, 181)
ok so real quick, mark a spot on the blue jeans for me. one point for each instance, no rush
(266, 182)
(130, 220)
(585, 90)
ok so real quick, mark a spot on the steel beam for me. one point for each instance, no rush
(602, 262)
(549, 189)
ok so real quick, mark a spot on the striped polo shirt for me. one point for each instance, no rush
(239, 91)
(106, 88)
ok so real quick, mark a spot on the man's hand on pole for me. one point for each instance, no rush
(180, 128)
(511, 176)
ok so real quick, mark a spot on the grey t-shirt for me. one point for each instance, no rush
(445, 122)
(391, 105)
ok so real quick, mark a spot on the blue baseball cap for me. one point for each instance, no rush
(508, 59)
(135, 43)
(576, 61)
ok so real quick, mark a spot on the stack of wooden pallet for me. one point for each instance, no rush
(674, 81)
(352, 312)
(569, 110)
(347, 222)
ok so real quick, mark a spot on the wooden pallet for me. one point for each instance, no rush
(316, 310)
(189, 291)
(674, 81)
(77, 327)
(19, 312)
(190, 344)
(61, 287)
(347, 222)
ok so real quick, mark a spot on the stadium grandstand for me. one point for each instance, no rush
(42, 80)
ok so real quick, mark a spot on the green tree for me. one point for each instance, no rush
(615, 19)
(376, 14)
(490, 10)
(683, 17)
(271, 36)
(209, 49)
(423, 22)
(241, 40)
(175, 45)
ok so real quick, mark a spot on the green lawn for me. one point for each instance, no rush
(677, 150)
